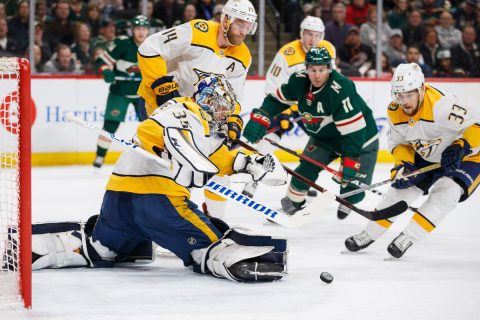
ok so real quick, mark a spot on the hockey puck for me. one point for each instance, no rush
(326, 277)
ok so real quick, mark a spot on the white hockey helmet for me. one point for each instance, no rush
(214, 94)
(407, 77)
(240, 9)
(314, 24)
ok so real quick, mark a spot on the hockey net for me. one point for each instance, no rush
(15, 184)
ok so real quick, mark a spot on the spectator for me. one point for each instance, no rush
(189, 13)
(204, 10)
(395, 49)
(337, 29)
(41, 11)
(60, 28)
(413, 55)
(63, 62)
(217, 12)
(346, 68)
(8, 45)
(156, 25)
(82, 47)
(78, 10)
(445, 68)
(168, 11)
(386, 72)
(355, 52)
(43, 42)
(326, 10)
(466, 14)
(430, 12)
(368, 30)
(466, 55)
(448, 36)
(3, 13)
(18, 26)
(397, 17)
(414, 30)
(429, 48)
(357, 12)
(106, 37)
(39, 64)
(93, 18)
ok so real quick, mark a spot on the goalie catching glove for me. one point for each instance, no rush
(266, 169)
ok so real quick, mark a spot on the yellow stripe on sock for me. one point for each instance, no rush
(384, 223)
(423, 222)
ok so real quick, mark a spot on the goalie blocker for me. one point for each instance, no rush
(237, 255)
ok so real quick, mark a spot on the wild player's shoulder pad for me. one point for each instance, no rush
(339, 83)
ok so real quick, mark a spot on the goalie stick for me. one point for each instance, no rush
(375, 215)
(281, 218)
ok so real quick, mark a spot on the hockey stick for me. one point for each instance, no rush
(375, 215)
(212, 186)
(356, 183)
(410, 174)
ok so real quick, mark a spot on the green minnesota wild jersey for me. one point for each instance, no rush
(122, 59)
(334, 114)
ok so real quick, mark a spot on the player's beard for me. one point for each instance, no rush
(235, 39)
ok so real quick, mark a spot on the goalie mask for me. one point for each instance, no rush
(215, 96)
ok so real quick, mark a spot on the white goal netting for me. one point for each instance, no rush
(10, 289)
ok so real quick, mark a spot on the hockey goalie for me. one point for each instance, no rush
(147, 204)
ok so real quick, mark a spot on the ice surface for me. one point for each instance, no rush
(439, 278)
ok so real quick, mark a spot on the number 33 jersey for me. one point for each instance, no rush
(439, 121)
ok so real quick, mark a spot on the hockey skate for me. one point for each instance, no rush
(399, 246)
(290, 207)
(343, 212)
(98, 163)
(358, 241)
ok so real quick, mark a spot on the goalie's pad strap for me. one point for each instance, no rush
(181, 145)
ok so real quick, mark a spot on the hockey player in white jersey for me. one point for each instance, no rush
(426, 127)
(146, 202)
(174, 60)
(288, 60)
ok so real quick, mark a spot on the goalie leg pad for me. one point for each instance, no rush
(248, 258)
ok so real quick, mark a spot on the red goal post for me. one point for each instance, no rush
(15, 184)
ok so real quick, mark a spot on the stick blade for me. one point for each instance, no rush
(389, 212)
(304, 216)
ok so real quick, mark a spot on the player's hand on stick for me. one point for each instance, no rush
(453, 155)
(234, 127)
(348, 170)
(108, 75)
(265, 168)
(257, 126)
(403, 183)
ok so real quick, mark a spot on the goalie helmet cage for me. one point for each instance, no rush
(15, 184)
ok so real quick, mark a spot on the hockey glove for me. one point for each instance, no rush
(234, 126)
(348, 169)
(108, 75)
(256, 165)
(165, 89)
(257, 126)
(403, 183)
(453, 155)
(284, 119)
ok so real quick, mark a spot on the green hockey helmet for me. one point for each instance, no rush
(318, 56)
(140, 21)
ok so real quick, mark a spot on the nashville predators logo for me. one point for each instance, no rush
(426, 148)
(202, 26)
(204, 74)
(393, 106)
(289, 51)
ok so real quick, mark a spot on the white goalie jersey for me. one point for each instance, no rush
(440, 120)
(137, 174)
(189, 53)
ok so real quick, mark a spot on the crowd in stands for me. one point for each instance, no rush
(439, 35)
